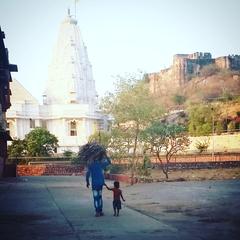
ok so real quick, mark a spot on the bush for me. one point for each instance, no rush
(144, 168)
(40, 142)
(68, 153)
(179, 99)
(219, 127)
(17, 148)
(203, 145)
(231, 127)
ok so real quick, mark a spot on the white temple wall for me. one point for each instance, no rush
(22, 128)
(61, 129)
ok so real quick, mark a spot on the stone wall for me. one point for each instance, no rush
(64, 170)
(43, 170)
(49, 170)
(228, 62)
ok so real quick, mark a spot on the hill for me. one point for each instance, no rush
(214, 95)
(221, 85)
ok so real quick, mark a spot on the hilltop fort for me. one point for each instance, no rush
(187, 66)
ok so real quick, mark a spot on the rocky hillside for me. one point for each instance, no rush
(213, 88)
(222, 86)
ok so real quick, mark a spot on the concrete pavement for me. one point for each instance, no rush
(62, 208)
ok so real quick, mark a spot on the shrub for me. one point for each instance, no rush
(144, 168)
(219, 127)
(203, 145)
(68, 153)
(179, 99)
(231, 126)
(17, 148)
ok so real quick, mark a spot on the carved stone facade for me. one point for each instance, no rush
(186, 66)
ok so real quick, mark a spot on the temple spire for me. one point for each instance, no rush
(70, 72)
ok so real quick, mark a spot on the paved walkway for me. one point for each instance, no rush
(61, 208)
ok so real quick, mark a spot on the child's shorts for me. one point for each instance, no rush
(117, 204)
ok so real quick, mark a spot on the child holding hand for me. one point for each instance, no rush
(117, 196)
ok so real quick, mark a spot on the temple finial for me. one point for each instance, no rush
(75, 7)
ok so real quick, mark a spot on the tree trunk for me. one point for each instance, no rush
(165, 171)
(133, 168)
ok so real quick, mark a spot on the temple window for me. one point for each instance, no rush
(32, 123)
(44, 124)
(73, 128)
(10, 128)
(9, 125)
(99, 125)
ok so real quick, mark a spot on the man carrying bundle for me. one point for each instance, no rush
(97, 161)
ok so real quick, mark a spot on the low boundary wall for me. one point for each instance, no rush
(76, 170)
(49, 170)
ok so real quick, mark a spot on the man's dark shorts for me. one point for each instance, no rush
(117, 204)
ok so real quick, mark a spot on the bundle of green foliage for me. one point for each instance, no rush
(90, 152)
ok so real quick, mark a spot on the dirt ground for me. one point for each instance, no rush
(207, 210)
(192, 175)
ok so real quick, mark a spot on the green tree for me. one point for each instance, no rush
(103, 138)
(132, 108)
(17, 148)
(40, 142)
(201, 119)
(121, 144)
(166, 139)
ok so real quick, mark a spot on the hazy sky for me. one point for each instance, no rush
(122, 36)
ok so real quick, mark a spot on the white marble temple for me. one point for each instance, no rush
(69, 108)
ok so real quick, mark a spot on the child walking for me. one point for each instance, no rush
(117, 195)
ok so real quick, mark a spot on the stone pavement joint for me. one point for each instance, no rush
(60, 210)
